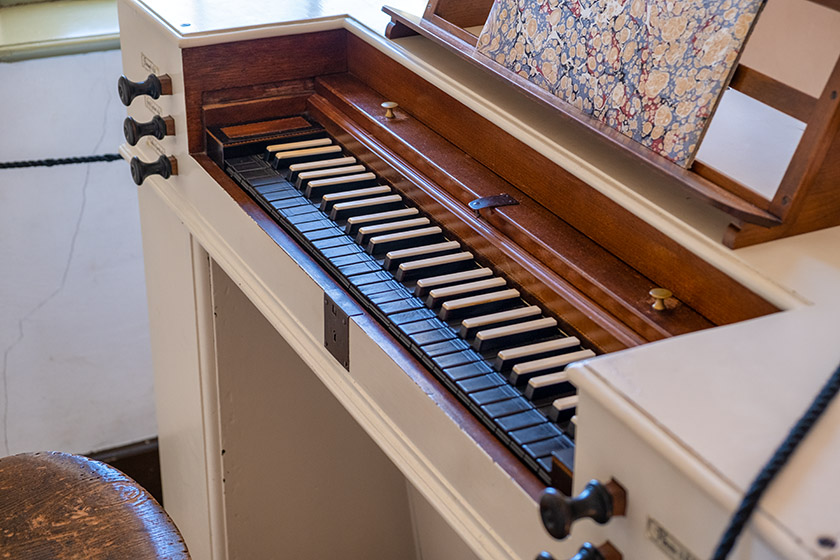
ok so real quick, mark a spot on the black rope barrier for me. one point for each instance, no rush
(60, 161)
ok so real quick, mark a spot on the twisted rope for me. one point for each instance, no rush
(61, 161)
(775, 464)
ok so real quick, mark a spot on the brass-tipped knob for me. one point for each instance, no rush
(389, 107)
(659, 296)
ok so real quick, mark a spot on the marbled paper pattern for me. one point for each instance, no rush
(651, 69)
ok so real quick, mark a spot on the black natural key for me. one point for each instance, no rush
(468, 370)
(345, 210)
(366, 232)
(545, 447)
(507, 408)
(481, 382)
(479, 305)
(519, 421)
(381, 244)
(501, 337)
(432, 336)
(456, 359)
(496, 394)
(535, 433)
(446, 347)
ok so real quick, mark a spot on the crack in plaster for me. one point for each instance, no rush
(58, 290)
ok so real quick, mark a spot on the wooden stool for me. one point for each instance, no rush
(60, 506)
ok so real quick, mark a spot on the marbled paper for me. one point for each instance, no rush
(651, 69)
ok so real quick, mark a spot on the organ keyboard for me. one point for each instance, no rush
(481, 355)
(497, 353)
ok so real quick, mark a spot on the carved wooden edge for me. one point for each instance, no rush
(702, 188)
(696, 282)
(448, 402)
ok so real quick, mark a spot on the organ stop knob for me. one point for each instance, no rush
(157, 127)
(153, 86)
(589, 552)
(165, 166)
(599, 502)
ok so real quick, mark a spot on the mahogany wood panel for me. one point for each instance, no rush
(463, 13)
(657, 257)
(581, 262)
(661, 168)
(527, 480)
(770, 91)
(56, 505)
(249, 63)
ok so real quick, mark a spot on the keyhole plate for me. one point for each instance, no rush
(336, 332)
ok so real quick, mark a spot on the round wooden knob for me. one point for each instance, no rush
(157, 127)
(153, 86)
(659, 296)
(389, 107)
(599, 502)
(165, 166)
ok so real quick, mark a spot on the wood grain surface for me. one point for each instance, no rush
(59, 506)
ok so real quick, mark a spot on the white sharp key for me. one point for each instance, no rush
(474, 324)
(321, 163)
(400, 239)
(480, 304)
(329, 172)
(292, 154)
(563, 408)
(417, 252)
(356, 222)
(490, 339)
(367, 232)
(412, 269)
(526, 370)
(358, 207)
(439, 295)
(329, 200)
(509, 357)
(320, 187)
(299, 145)
(424, 285)
(542, 386)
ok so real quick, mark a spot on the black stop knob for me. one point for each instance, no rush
(154, 87)
(157, 127)
(589, 552)
(165, 166)
(598, 502)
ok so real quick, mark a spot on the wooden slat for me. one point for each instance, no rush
(770, 91)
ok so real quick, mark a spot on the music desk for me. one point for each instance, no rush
(271, 448)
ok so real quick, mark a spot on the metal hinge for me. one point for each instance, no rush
(337, 332)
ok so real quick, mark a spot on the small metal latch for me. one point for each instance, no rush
(491, 202)
(337, 332)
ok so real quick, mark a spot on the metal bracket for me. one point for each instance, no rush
(491, 202)
(337, 332)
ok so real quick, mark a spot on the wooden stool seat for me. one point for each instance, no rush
(60, 506)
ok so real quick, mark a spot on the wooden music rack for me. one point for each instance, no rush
(808, 197)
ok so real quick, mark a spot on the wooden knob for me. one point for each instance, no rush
(599, 502)
(157, 127)
(153, 86)
(659, 296)
(165, 166)
(589, 552)
(389, 107)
